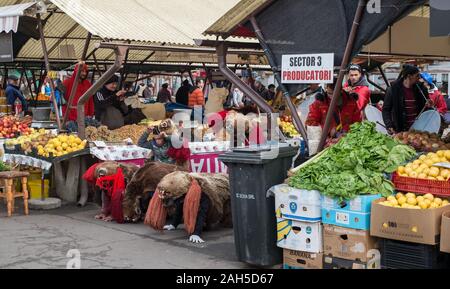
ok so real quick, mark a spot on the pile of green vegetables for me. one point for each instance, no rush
(4, 167)
(355, 165)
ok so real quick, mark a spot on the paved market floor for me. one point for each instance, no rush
(43, 239)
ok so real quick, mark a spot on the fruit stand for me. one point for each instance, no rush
(386, 197)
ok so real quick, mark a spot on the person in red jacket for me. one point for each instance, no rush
(357, 87)
(434, 93)
(345, 114)
(83, 86)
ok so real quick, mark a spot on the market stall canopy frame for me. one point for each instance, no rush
(321, 26)
(170, 23)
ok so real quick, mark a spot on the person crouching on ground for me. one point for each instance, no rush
(159, 144)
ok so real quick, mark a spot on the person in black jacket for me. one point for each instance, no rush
(182, 96)
(109, 105)
(404, 101)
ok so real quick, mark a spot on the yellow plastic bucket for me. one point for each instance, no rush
(34, 189)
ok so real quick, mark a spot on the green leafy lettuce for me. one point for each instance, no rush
(356, 165)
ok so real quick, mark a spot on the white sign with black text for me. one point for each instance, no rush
(307, 68)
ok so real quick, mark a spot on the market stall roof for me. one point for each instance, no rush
(170, 23)
(9, 16)
(408, 38)
(321, 26)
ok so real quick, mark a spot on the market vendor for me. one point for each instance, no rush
(404, 101)
(346, 112)
(13, 93)
(82, 87)
(357, 86)
(110, 108)
(159, 144)
(434, 93)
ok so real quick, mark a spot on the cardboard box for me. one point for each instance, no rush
(338, 263)
(353, 214)
(416, 226)
(361, 204)
(445, 233)
(349, 244)
(295, 204)
(347, 219)
(302, 260)
(299, 236)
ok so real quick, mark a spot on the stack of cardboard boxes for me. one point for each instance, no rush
(322, 233)
(412, 238)
(299, 228)
(346, 235)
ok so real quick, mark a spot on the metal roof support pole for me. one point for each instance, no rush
(247, 90)
(120, 56)
(297, 121)
(384, 76)
(47, 64)
(373, 83)
(5, 78)
(77, 79)
(36, 89)
(345, 60)
(28, 81)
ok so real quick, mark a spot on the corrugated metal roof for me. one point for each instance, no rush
(235, 16)
(10, 15)
(175, 22)
(171, 22)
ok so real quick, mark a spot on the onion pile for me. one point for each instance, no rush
(422, 141)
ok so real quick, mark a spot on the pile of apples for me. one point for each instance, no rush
(11, 127)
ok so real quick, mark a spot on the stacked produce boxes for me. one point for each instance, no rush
(299, 227)
(347, 241)
(411, 235)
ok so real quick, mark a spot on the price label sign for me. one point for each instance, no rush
(307, 68)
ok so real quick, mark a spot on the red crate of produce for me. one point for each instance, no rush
(421, 186)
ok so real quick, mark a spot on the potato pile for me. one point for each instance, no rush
(102, 133)
(134, 132)
(423, 141)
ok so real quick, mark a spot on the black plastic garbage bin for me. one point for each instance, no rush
(252, 173)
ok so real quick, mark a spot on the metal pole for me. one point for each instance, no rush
(77, 79)
(374, 84)
(112, 45)
(297, 121)
(384, 76)
(120, 55)
(47, 64)
(28, 82)
(345, 60)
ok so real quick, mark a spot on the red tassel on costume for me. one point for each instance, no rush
(115, 186)
(156, 213)
(191, 206)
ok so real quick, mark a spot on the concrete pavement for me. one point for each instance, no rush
(43, 239)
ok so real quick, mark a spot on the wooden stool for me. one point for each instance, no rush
(10, 191)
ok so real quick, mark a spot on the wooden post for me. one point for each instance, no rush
(25, 194)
